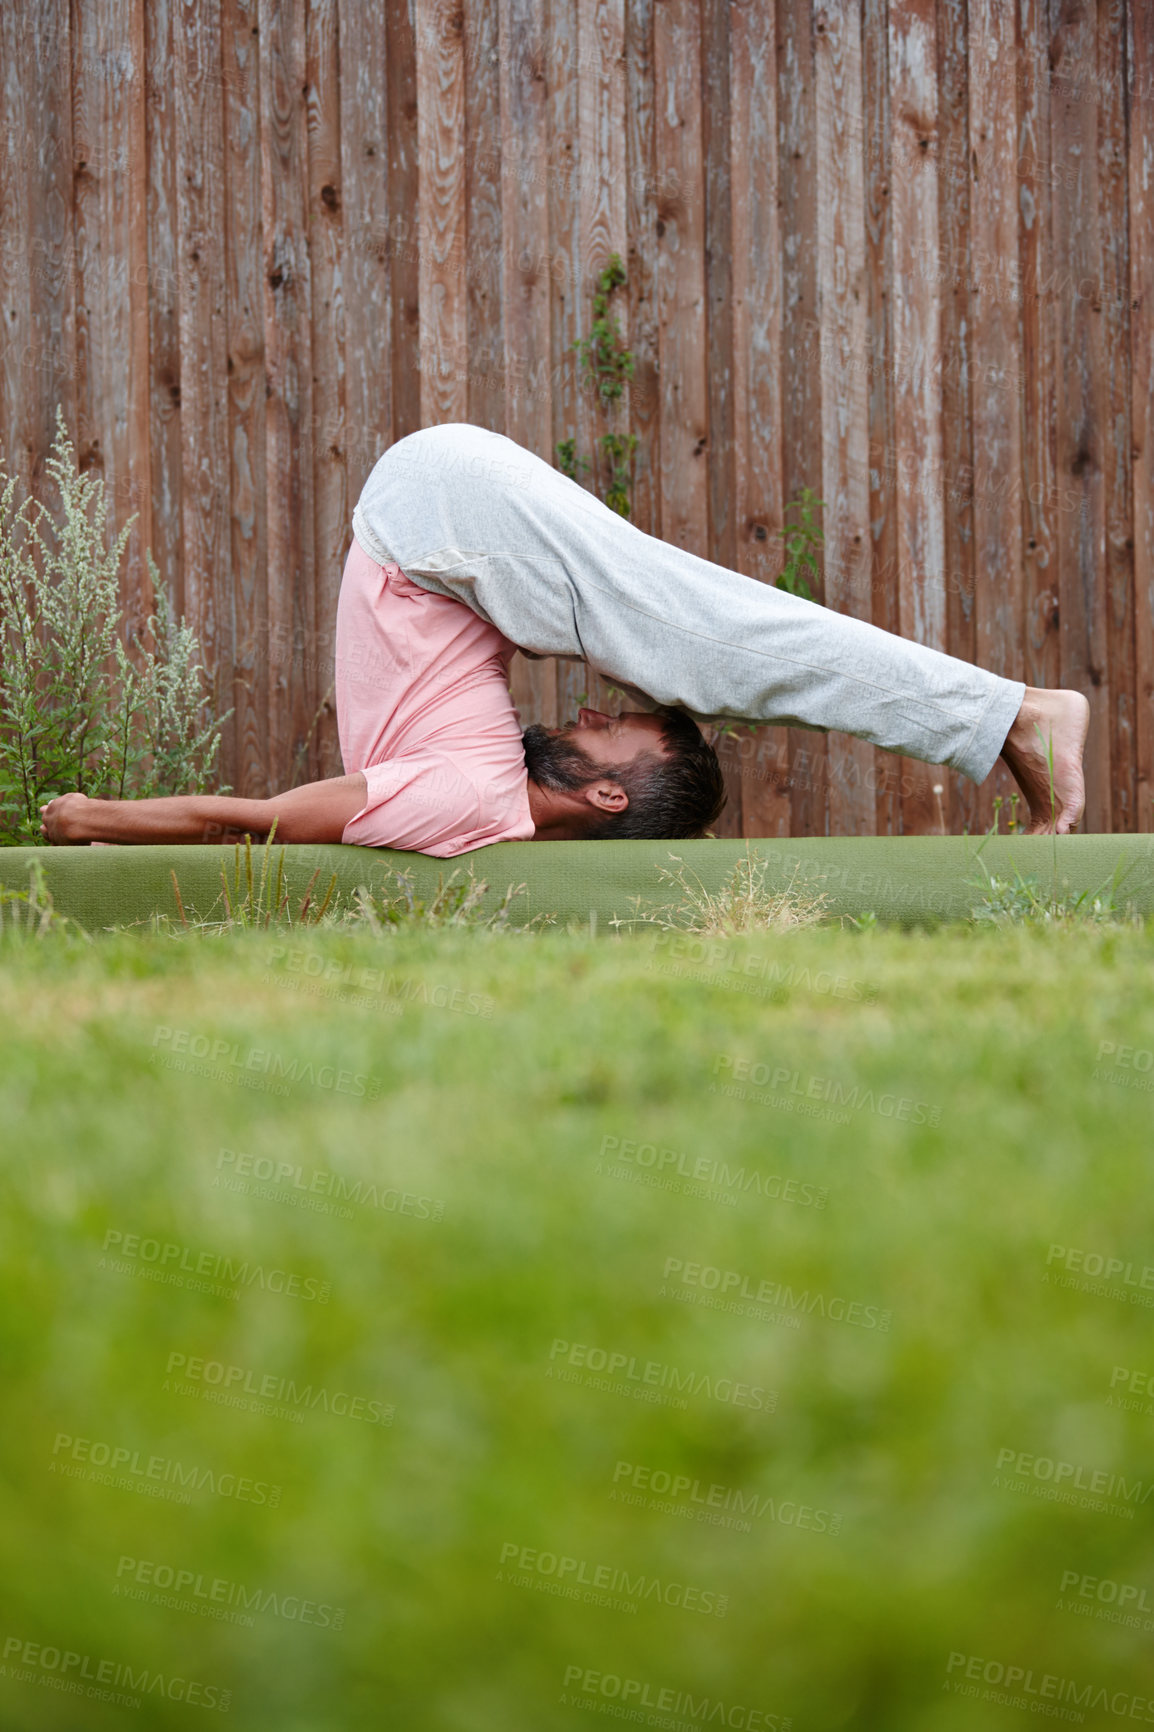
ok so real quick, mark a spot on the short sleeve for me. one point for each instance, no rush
(426, 804)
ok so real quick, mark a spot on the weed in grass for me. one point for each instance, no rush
(451, 904)
(743, 904)
(253, 900)
(31, 913)
(1021, 900)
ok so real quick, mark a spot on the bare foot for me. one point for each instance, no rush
(1050, 722)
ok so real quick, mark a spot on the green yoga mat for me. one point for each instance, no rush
(903, 879)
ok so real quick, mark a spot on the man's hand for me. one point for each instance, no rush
(63, 819)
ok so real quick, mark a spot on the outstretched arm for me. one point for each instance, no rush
(318, 812)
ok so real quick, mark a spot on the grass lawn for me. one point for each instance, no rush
(474, 1332)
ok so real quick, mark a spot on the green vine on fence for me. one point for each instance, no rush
(802, 540)
(606, 365)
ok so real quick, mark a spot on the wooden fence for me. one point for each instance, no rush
(901, 253)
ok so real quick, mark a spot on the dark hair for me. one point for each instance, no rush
(676, 795)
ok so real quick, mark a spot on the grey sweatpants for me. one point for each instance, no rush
(472, 514)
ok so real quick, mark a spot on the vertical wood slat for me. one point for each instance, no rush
(404, 216)
(683, 490)
(1080, 394)
(110, 205)
(1140, 68)
(19, 356)
(260, 655)
(202, 330)
(1041, 502)
(288, 388)
(326, 446)
(763, 752)
(844, 402)
(562, 97)
(526, 282)
(1113, 290)
(954, 269)
(880, 352)
(485, 327)
(365, 213)
(440, 63)
(801, 438)
(918, 359)
(995, 355)
(721, 470)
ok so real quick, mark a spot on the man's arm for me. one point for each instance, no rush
(318, 812)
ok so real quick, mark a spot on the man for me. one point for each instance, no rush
(466, 547)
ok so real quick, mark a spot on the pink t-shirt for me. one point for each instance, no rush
(423, 709)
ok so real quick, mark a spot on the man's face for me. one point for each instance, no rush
(592, 746)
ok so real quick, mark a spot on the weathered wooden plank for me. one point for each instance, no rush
(328, 424)
(483, 273)
(39, 355)
(365, 258)
(641, 218)
(440, 59)
(1081, 524)
(1140, 71)
(1116, 457)
(683, 486)
(525, 282)
(801, 346)
(164, 358)
(259, 655)
(288, 387)
(112, 272)
(954, 270)
(880, 370)
(202, 334)
(564, 224)
(841, 264)
(918, 360)
(762, 753)
(995, 356)
(1041, 502)
(20, 351)
(404, 209)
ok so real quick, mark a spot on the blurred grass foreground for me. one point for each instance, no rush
(476, 1332)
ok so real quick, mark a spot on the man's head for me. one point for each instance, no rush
(632, 775)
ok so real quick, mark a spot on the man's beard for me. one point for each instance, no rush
(553, 761)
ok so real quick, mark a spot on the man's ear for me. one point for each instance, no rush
(606, 796)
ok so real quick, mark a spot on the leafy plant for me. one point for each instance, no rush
(801, 540)
(77, 709)
(606, 365)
